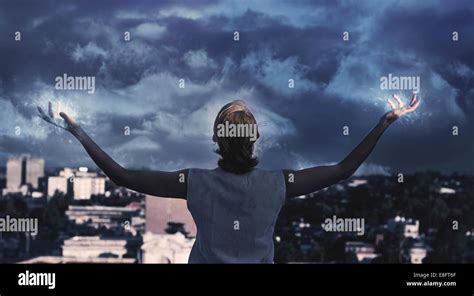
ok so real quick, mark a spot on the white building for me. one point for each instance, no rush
(85, 187)
(97, 247)
(23, 189)
(417, 254)
(84, 183)
(409, 227)
(24, 170)
(14, 173)
(108, 217)
(34, 171)
(57, 183)
(66, 260)
(166, 248)
(363, 251)
(60, 182)
(87, 184)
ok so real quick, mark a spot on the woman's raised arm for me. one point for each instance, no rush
(305, 181)
(157, 183)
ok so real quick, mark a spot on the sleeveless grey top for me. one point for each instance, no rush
(235, 214)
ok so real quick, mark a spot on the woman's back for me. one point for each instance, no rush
(235, 214)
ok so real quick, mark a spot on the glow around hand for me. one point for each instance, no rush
(64, 121)
(401, 109)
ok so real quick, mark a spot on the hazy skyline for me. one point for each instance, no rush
(337, 82)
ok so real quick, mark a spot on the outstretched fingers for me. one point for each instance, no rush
(402, 108)
(50, 110)
(401, 104)
(49, 117)
(415, 103)
(66, 118)
(392, 104)
(41, 112)
(43, 115)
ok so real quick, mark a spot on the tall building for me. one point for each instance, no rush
(61, 183)
(57, 183)
(87, 183)
(34, 171)
(161, 211)
(85, 187)
(84, 183)
(14, 174)
(24, 170)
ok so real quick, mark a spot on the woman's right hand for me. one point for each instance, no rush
(400, 110)
(66, 122)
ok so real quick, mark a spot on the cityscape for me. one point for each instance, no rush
(327, 145)
(83, 217)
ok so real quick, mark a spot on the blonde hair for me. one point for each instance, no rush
(236, 152)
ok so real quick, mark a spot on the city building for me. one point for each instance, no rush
(85, 187)
(23, 190)
(84, 183)
(417, 254)
(115, 218)
(409, 227)
(57, 183)
(166, 248)
(14, 173)
(97, 247)
(23, 171)
(67, 260)
(34, 171)
(363, 251)
(160, 212)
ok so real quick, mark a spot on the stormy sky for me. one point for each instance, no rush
(337, 82)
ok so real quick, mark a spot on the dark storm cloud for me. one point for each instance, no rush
(337, 82)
